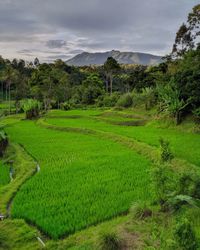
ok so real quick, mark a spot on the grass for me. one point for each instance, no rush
(4, 174)
(83, 179)
(24, 167)
(16, 234)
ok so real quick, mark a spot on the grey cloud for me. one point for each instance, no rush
(72, 26)
(52, 44)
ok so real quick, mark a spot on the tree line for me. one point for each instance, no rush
(173, 85)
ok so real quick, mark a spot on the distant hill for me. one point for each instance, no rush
(85, 58)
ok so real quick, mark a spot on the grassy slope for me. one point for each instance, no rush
(4, 174)
(110, 175)
(24, 167)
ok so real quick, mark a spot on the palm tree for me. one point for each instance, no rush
(8, 76)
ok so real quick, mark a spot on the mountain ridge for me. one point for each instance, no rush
(98, 58)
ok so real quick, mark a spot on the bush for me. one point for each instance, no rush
(140, 211)
(65, 106)
(185, 235)
(149, 97)
(3, 240)
(108, 100)
(125, 101)
(137, 98)
(189, 184)
(32, 108)
(165, 184)
(166, 154)
(3, 142)
(110, 241)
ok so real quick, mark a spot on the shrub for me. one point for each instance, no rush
(3, 142)
(110, 241)
(196, 113)
(3, 240)
(189, 184)
(140, 211)
(137, 98)
(149, 97)
(125, 101)
(109, 100)
(32, 108)
(176, 202)
(166, 154)
(185, 235)
(65, 106)
(165, 184)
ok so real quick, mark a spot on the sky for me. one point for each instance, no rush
(60, 29)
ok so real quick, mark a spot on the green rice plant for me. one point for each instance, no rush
(83, 180)
(89, 171)
(180, 142)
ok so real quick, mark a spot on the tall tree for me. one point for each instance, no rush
(36, 62)
(187, 37)
(9, 76)
(110, 67)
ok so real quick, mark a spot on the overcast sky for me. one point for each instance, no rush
(51, 29)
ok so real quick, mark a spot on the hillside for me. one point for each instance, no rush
(99, 58)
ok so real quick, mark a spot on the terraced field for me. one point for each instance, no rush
(88, 171)
(83, 179)
(181, 142)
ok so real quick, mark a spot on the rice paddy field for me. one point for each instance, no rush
(85, 178)
(180, 141)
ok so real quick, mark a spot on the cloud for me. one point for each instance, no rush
(53, 44)
(44, 29)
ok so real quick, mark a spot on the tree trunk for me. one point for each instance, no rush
(2, 90)
(178, 117)
(9, 100)
(106, 85)
(6, 92)
(111, 84)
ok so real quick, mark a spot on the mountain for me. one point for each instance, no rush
(99, 58)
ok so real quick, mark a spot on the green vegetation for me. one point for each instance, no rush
(180, 141)
(4, 174)
(3, 142)
(111, 180)
(23, 168)
(31, 108)
(110, 241)
(112, 161)
(185, 235)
